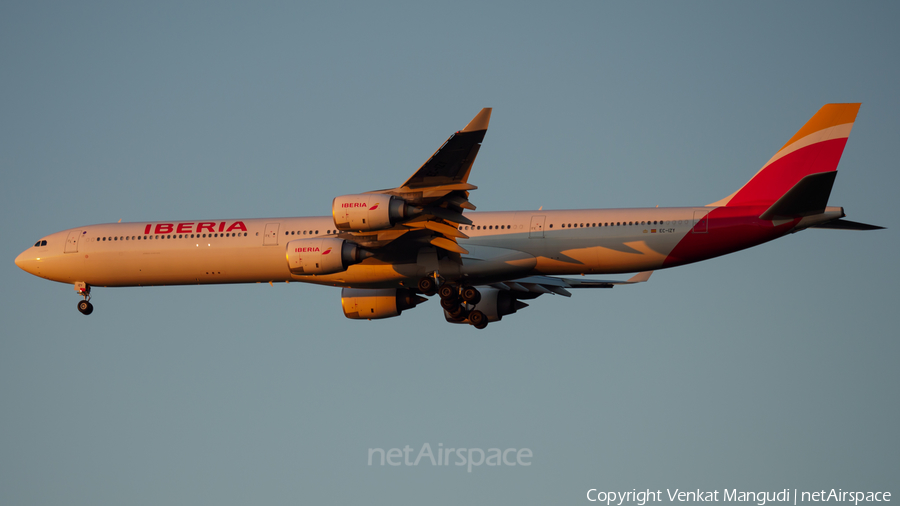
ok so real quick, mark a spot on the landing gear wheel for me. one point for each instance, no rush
(459, 313)
(426, 286)
(448, 292)
(85, 307)
(478, 319)
(471, 295)
(449, 305)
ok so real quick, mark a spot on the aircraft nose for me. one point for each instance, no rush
(25, 261)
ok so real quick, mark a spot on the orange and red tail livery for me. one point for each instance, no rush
(815, 148)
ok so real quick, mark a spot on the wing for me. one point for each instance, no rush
(452, 162)
(439, 190)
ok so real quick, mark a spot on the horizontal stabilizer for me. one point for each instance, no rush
(547, 284)
(806, 198)
(846, 225)
(640, 277)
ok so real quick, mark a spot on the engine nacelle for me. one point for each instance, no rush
(322, 255)
(368, 211)
(373, 304)
(494, 303)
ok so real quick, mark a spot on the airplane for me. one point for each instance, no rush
(388, 248)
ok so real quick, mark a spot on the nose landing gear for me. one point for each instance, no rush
(85, 306)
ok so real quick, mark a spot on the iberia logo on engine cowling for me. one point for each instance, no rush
(326, 251)
(373, 207)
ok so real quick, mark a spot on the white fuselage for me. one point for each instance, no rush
(253, 250)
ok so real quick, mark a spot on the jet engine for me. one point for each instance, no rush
(322, 255)
(374, 304)
(369, 211)
(494, 304)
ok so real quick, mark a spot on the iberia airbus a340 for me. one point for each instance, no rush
(386, 248)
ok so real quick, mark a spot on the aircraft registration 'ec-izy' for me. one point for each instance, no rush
(386, 248)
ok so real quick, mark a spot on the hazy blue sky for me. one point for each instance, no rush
(771, 368)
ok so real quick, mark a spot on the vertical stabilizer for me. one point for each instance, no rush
(815, 148)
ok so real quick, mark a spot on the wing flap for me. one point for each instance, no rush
(447, 244)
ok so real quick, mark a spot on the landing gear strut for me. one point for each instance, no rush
(85, 306)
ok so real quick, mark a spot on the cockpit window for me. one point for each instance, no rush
(40, 243)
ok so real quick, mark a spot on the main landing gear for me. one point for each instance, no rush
(458, 301)
(85, 306)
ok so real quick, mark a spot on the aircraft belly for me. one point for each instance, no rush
(184, 266)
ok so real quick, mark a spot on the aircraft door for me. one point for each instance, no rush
(72, 241)
(271, 238)
(701, 223)
(537, 227)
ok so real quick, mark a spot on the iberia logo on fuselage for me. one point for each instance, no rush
(195, 227)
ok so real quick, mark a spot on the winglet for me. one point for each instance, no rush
(640, 277)
(480, 121)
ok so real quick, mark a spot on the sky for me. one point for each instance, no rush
(766, 369)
